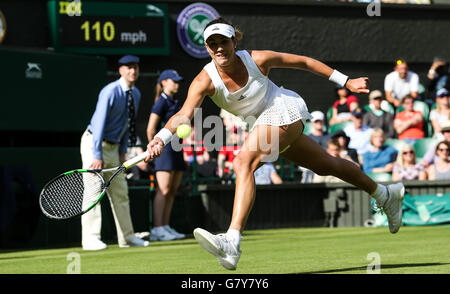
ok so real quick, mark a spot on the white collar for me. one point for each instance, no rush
(124, 85)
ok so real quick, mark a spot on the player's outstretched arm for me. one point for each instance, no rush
(267, 60)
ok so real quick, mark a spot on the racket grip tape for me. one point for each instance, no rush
(135, 160)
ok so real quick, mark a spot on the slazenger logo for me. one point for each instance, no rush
(216, 29)
(242, 97)
(33, 71)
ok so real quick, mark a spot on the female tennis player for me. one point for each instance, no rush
(238, 82)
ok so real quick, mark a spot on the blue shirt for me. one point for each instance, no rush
(165, 107)
(110, 119)
(262, 174)
(385, 155)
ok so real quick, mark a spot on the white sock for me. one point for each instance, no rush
(235, 236)
(380, 194)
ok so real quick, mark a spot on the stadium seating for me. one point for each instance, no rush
(423, 145)
(380, 177)
(396, 143)
(308, 128)
(329, 114)
(339, 126)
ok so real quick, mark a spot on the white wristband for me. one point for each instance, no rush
(338, 78)
(165, 135)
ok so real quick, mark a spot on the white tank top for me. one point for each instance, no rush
(251, 99)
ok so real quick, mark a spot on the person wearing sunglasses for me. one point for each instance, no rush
(406, 167)
(440, 170)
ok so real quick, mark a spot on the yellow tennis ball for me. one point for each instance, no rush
(183, 131)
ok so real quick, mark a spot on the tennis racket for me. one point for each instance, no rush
(75, 192)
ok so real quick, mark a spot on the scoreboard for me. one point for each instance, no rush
(109, 27)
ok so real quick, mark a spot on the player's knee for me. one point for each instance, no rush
(242, 165)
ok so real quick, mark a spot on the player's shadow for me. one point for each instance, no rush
(383, 266)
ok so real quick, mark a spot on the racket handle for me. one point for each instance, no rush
(135, 160)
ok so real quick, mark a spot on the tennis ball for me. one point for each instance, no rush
(183, 131)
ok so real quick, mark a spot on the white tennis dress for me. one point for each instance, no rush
(260, 101)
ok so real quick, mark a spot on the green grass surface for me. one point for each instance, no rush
(424, 250)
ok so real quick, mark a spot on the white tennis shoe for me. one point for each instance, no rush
(174, 232)
(393, 206)
(220, 246)
(134, 241)
(94, 245)
(161, 234)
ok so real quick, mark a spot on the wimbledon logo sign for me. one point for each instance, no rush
(190, 25)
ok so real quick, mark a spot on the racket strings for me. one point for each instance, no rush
(71, 194)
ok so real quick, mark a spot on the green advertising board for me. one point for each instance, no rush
(109, 27)
(47, 91)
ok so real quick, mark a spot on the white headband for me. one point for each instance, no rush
(218, 28)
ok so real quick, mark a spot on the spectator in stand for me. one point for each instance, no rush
(381, 158)
(334, 149)
(345, 151)
(441, 114)
(267, 174)
(409, 123)
(430, 156)
(318, 134)
(226, 155)
(438, 77)
(377, 117)
(401, 82)
(440, 169)
(343, 106)
(359, 134)
(406, 167)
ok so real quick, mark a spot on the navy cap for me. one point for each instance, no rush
(357, 112)
(127, 59)
(441, 92)
(170, 74)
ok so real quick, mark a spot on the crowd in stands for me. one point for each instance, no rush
(403, 133)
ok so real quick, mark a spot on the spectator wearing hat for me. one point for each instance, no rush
(441, 113)
(409, 123)
(318, 134)
(169, 167)
(377, 117)
(104, 144)
(431, 156)
(345, 151)
(359, 133)
(401, 82)
(438, 77)
(343, 106)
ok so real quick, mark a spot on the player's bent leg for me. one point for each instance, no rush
(259, 145)
(307, 153)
